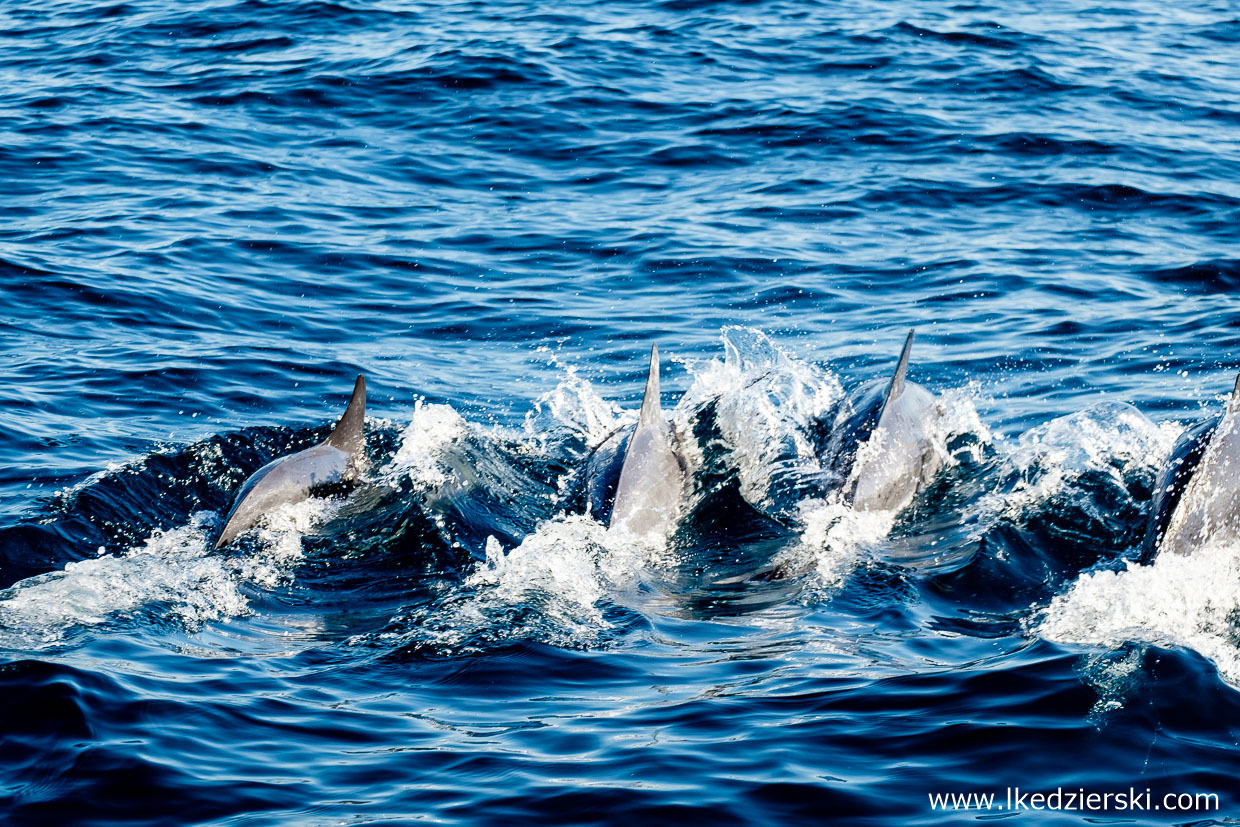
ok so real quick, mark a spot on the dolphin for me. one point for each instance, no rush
(327, 468)
(1197, 494)
(637, 479)
(882, 444)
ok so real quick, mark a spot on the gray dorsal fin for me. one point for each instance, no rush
(652, 411)
(651, 487)
(897, 381)
(347, 435)
(1233, 404)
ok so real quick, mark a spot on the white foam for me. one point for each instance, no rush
(553, 587)
(171, 567)
(833, 539)
(1191, 601)
(280, 536)
(557, 568)
(175, 573)
(958, 416)
(765, 399)
(574, 405)
(424, 444)
(1112, 438)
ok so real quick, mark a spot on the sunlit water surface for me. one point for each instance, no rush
(215, 214)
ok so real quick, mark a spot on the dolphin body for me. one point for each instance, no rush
(324, 469)
(883, 444)
(1197, 495)
(636, 480)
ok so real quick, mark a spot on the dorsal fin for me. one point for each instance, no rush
(1233, 404)
(897, 381)
(347, 435)
(652, 481)
(652, 411)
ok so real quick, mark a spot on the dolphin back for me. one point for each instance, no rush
(897, 455)
(1172, 481)
(1209, 507)
(652, 481)
(861, 415)
(602, 473)
(319, 471)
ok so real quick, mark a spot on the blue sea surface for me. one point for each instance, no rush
(214, 214)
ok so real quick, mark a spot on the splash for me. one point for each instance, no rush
(174, 575)
(554, 587)
(573, 409)
(833, 538)
(431, 433)
(171, 567)
(1115, 675)
(958, 417)
(1111, 443)
(765, 402)
(1191, 601)
(559, 569)
(279, 541)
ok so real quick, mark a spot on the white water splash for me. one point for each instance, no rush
(433, 430)
(171, 567)
(765, 401)
(1113, 439)
(174, 573)
(1191, 601)
(557, 568)
(280, 533)
(574, 405)
(958, 417)
(553, 587)
(833, 538)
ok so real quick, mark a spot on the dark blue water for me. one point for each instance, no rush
(215, 214)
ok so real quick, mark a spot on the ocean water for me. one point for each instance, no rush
(216, 213)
